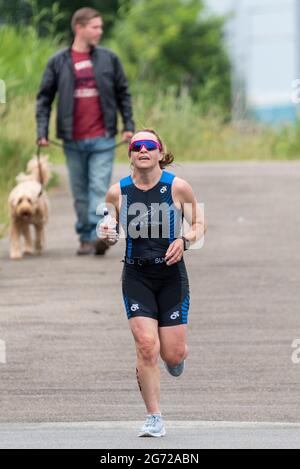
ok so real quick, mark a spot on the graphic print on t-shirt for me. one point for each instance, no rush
(88, 119)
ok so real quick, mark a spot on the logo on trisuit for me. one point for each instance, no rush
(175, 315)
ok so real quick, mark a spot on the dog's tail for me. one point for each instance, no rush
(40, 169)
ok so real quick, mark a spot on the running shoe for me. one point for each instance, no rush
(177, 370)
(154, 427)
(85, 249)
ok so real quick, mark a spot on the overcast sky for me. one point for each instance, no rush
(264, 45)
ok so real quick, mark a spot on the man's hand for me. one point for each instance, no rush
(43, 142)
(175, 252)
(127, 136)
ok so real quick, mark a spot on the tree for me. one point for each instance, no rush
(22, 12)
(175, 42)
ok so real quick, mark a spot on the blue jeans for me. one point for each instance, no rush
(90, 177)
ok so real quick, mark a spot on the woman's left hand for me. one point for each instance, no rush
(175, 252)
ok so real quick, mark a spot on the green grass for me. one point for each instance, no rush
(189, 133)
(193, 136)
(23, 56)
(17, 146)
(10, 157)
(22, 60)
(13, 159)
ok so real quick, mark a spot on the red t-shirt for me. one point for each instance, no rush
(88, 119)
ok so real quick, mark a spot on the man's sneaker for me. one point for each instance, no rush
(100, 247)
(85, 249)
(154, 427)
(175, 370)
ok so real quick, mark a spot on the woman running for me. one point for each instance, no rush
(150, 205)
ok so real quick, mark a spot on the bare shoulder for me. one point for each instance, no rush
(182, 190)
(114, 193)
(181, 184)
(113, 197)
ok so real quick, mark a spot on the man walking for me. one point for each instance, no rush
(92, 88)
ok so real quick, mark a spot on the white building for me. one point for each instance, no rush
(263, 41)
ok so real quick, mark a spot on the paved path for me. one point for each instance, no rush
(70, 356)
(123, 435)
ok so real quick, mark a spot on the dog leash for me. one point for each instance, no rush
(40, 170)
(67, 147)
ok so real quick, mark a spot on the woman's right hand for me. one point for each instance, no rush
(108, 233)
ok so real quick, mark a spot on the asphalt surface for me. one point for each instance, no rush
(69, 353)
(123, 435)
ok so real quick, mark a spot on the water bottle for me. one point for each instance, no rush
(106, 216)
(109, 221)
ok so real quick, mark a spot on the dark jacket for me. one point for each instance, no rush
(59, 77)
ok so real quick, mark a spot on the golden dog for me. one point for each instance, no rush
(29, 206)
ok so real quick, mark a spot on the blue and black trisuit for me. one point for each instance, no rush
(151, 223)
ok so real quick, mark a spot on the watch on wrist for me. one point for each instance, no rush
(186, 243)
